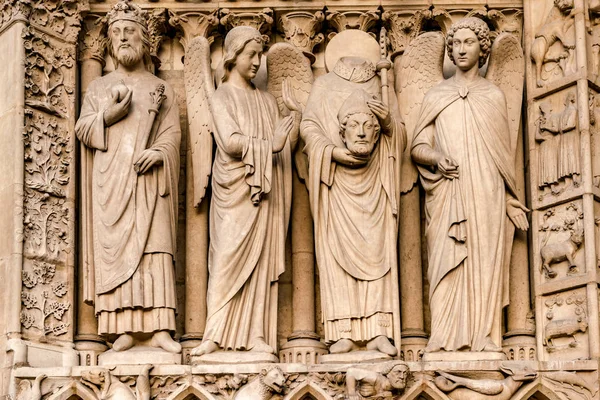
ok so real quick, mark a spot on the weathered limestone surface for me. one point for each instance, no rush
(544, 338)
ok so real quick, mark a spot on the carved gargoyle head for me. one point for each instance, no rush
(398, 376)
(519, 373)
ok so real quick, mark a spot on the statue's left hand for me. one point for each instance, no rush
(288, 97)
(380, 110)
(147, 159)
(517, 214)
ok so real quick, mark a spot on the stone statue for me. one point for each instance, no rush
(569, 165)
(353, 187)
(131, 120)
(362, 383)
(250, 206)
(464, 146)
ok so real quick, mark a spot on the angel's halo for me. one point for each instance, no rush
(351, 43)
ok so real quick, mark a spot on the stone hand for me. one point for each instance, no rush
(288, 97)
(448, 167)
(282, 131)
(117, 110)
(517, 214)
(380, 110)
(147, 159)
(343, 156)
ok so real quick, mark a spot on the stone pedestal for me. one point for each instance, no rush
(139, 355)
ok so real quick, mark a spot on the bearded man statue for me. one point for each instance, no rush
(131, 216)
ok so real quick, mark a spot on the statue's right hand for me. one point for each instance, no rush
(343, 156)
(117, 110)
(448, 168)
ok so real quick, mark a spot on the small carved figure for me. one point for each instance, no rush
(250, 204)
(560, 328)
(264, 387)
(464, 146)
(559, 21)
(547, 129)
(569, 149)
(364, 383)
(563, 251)
(463, 388)
(31, 390)
(108, 387)
(129, 124)
(352, 141)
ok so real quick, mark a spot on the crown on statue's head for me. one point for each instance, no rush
(127, 11)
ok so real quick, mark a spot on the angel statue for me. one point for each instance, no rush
(464, 145)
(353, 139)
(250, 203)
(129, 125)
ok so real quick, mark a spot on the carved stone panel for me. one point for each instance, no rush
(565, 325)
(555, 141)
(551, 43)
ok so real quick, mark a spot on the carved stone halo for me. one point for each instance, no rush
(352, 43)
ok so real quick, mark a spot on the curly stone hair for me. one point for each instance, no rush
(480, 28)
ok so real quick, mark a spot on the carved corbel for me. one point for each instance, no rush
(341, 20)
(301, 28)
(93, 44)
(193, 24)
(14, 10)
(404, 26)
(262, 21)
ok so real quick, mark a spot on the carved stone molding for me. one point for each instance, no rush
(92, 45)
(364, 20)
(263, 20)
(61, 18)
(301, 28)
(192, 24)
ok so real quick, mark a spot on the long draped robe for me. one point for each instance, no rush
(355, 214)
(133, 217)
(467, 224)
(249, 215)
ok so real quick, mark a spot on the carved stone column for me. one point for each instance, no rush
(191, 25)
(301, 28)
(91, 62)
(403, 27)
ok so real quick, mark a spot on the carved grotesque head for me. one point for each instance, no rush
(128, 39)
(359, 127)
(273, 379)
(468, 40)
(243, 49)
(398, 376)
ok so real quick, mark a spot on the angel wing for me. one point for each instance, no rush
(199, 87)
(421, 68)
(287, 62)
(506, 69)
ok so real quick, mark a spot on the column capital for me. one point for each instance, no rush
(301, 28)
(364, 20)
(94, 40)
(194, 23)
(262, 20)
(403, 26)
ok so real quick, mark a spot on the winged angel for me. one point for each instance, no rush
(251, 180)
(464, 138)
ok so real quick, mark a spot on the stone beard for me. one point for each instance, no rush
(134, 215)
(354, 210)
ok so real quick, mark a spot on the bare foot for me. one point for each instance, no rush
(343, 346)
(207, 347)
(260, 346)
(164, 340)
(123, 342)
(383, 345)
